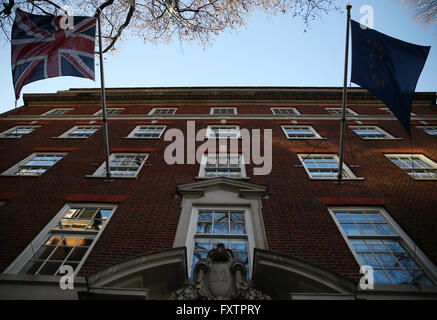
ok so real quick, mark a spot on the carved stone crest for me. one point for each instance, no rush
(220, 276)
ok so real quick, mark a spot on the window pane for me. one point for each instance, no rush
(350, 229)
(398, 276)
(376, 245)
(380, 277)
(387, 260)
(359, 245)
(343, 217)
(204, 227)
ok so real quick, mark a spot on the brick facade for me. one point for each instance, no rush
(295, 213)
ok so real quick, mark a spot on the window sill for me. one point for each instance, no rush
(21, 175)
(110, 178)
(398, 288)
(321, 138)
(336, 179)
(140, 138)
(73, 138)
(208, 178)
(384, 139)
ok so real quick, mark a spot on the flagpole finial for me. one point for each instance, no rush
(349, 6)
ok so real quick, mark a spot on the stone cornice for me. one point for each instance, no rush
(234, 95)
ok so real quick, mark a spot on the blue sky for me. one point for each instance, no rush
(271, 51)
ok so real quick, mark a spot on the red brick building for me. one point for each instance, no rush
(140, 233)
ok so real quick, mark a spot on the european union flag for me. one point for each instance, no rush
(387, 67)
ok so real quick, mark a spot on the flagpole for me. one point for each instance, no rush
(105, 120)
(343, 117)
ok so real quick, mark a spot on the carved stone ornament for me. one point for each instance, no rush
(220, 276)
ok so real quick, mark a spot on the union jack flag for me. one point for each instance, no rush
(42, 49)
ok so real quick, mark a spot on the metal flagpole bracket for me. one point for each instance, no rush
(343, 117)
(104, 118)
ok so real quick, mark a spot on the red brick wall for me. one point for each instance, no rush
(295, 214)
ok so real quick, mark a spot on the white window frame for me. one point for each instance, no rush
(295, 111)
(138, 127)
(213, 109)
(108, 111)
(66, 135)
(191, 233)
(415, 155)
(387, 136)
(311, 128)
(49, 113)
(210, 133)
(349, 175)
(18, 264)
(349, 111)
(12, 171)
(152, 112)
(242, 166)
(423, 128)
(4, 134)
(388, 111)
(101, 171)
(420, 258)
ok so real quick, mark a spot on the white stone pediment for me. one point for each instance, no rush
(204, 187)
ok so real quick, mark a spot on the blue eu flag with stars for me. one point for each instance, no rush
(388, 68)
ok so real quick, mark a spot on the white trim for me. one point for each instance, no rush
(423, 128)
(191, 232)
(242, 165)
(387, 136)
(349, 174)
(221, 114)
(349, 111)
(12, 171)
(211, 135)
(66, 134)
(152, 112)
(409, 156)
(3, 134)
(100, 112)
(310, 127)
(296, 112)
(101, 171)
(419, 257)
(16, 266)
(131, 135)
(48, 113)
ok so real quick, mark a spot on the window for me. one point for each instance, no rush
(69, 239)
(431, 130)
(377, 241)
(300, 132)
(123, 164)
(371, 132)
(284, 111)
(416, 165)
(387, 110)
(339, 111)
(147, 132)
(230, 165)
(163, 111)
(17, 131)
(57, 112)
(109, 111)
(80, 132)
(223, 131)
(34, 165)
(324, 166)
(211, 226)
(223, 111)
